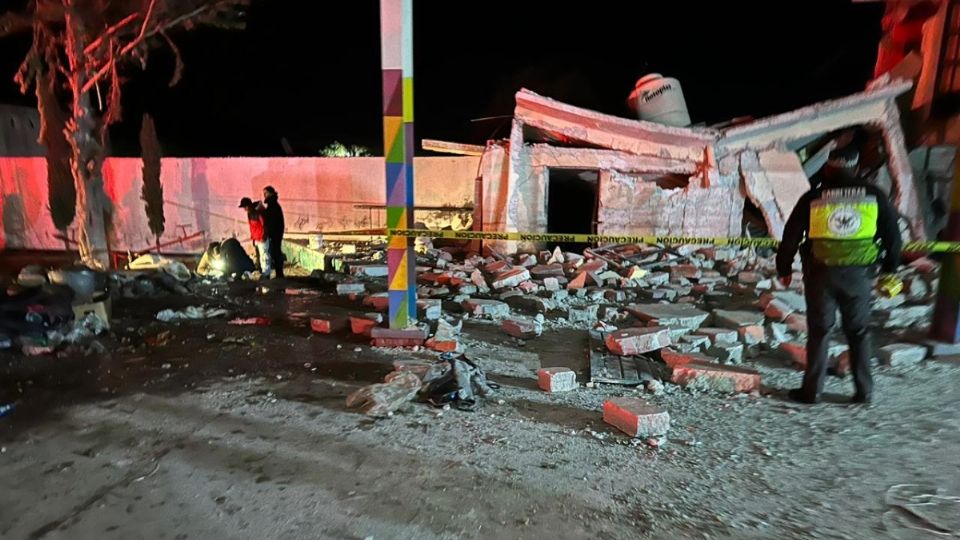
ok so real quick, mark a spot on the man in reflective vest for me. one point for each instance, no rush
(843, 228)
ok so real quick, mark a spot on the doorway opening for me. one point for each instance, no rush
(572, 204)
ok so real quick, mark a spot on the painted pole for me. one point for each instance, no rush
(946, 315)
(396, 47)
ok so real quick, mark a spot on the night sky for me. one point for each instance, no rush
(309, 70)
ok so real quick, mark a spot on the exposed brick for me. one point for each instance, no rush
(547, 270)
(395, 342)
(636, 417)
(510, 278)
(578, 282)
(522, 329)
(752, 335)
(442, 346)
(749, 278)
(557, 379)
(637, 340)
(687, 271)
(495, 267)
(698, 370)
(378, 301)
(532, 304)
(327, 325)
(635, 273)
(797, 352)
(362, 325)
(392, 333)
(669, 314)
(797, 323)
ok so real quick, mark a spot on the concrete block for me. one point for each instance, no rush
(637, 340)
(735, 319)
(429, 309)
(442, 346)
(586, 314)
(551, 284)
(528, 287)
(344, 289)
(486, 308)
(657, 279)
(669, 314)
(777, 310)
(557, 379)
(693, 370)
(636, 417)
(901, 354)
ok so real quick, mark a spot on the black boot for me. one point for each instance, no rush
(797, 394)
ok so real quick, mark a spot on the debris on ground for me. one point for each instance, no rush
(250, 321)
(384, 398)
(190, 313)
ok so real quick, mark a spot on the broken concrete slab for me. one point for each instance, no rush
(735, 319)
(368, 270)
(429, 309)
(657, 279)
(637, 340)
(752, 335)
(557, 379)
(486, 308)
(696, 342)
(551, 284)
(683, 315)
(901, 354)
(938, 349)
(727, 353)
(636, 417)
(794, 300)
(778, 310)
(532, 304)
(905, 317)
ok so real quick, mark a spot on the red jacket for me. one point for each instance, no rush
(256, 225)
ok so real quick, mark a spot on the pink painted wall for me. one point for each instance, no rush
(317, 194)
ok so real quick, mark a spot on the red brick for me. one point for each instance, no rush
(510, 278)
(637, 340)
(578, 282)
(391, 333)
(716, 376)
(326, 325)
(379, 302)
(495, 267)
(797, 323)
(687, 271)
(394, 342)
(528, 287)
(362, 326)
(636, 417)
(442, 346)
(752, 335)
(558, 379)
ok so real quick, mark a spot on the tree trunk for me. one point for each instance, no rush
(86, 161)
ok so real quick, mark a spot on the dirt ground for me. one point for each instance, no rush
(202, 438)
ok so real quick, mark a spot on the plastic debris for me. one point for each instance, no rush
(190, 313)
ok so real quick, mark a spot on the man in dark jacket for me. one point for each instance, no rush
(843, 228)
(273, 226)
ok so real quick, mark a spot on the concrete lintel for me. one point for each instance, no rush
(446, 147)
(606, 131)
(869, 107)
(544, 155)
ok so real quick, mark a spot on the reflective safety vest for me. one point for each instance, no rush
(843, 227)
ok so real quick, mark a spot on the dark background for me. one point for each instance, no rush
(309, 70)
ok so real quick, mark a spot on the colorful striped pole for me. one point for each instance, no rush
(396, 46)
(946, 315)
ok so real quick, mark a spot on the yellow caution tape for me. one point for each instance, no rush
(911, 247)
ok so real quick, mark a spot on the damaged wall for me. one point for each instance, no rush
(317, 194)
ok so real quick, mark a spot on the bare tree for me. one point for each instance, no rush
(152, 191)
(84, 45)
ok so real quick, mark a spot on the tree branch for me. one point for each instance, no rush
(110, 31)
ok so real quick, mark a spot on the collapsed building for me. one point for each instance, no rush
(566, 169)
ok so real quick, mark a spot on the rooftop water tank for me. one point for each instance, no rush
(659, 99)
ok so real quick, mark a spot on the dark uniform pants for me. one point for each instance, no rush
(849, 288)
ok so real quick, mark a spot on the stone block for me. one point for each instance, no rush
(637, 340)
(636, 417)
(557, 379)
(551, 284)
(901, 354)
(735, 319)
(669, 314)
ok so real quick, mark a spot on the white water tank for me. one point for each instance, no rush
(659, 99)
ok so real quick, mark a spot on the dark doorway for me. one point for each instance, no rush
(572, 204)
